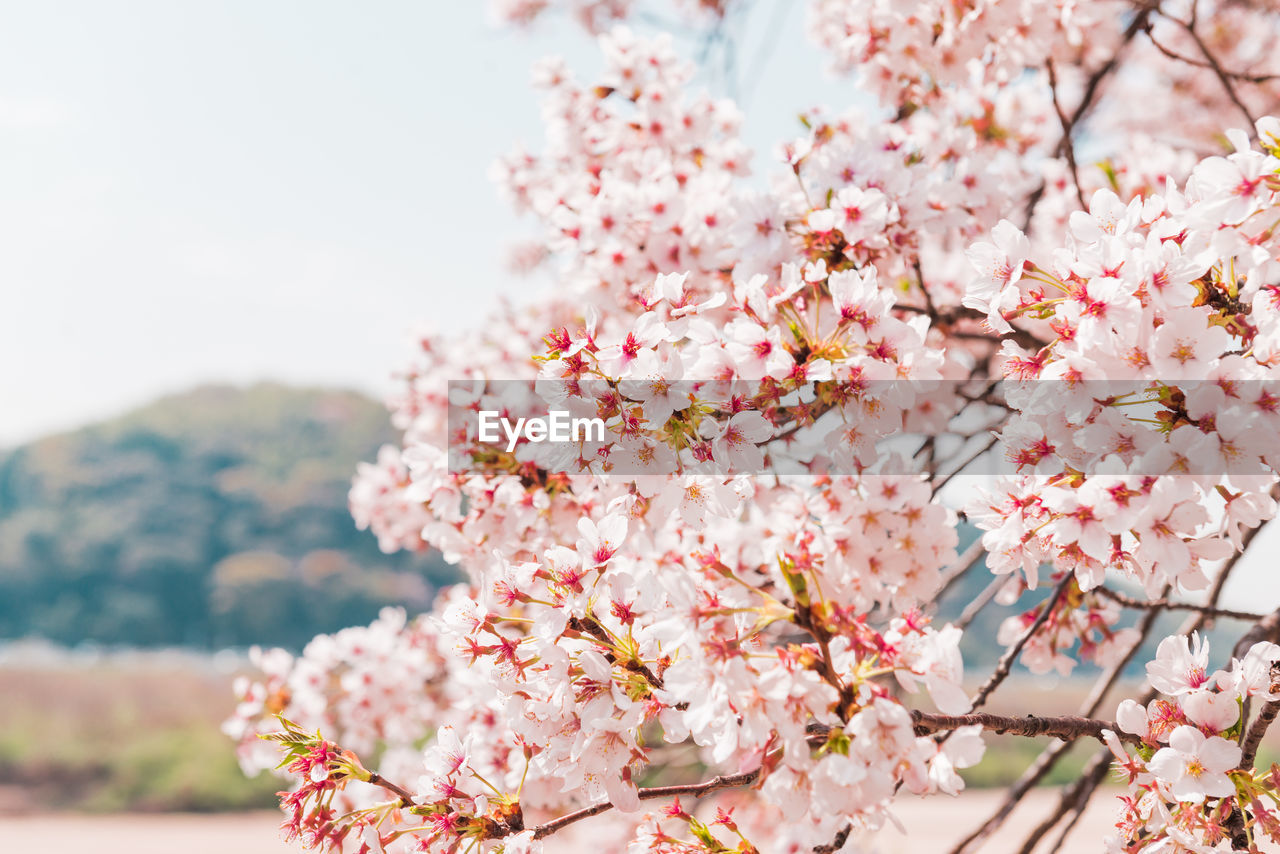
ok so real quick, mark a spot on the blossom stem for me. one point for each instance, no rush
(694, 790)
(1166, 604)
(1005, 665)
(1068, 727)
(406, 797)
(1068, 145)
(1218, 70)
(590, 626)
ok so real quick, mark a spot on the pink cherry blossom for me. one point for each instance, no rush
(1195, 766)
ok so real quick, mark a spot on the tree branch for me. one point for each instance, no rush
(1199, 63)
(589, 626)
(406, 797)
(1048, 758)
(963, 563)
(1074, 798)
(1267, 714)
(1079, 793)
(982, 600)
(1091, 86)
(1005, 664)
(1166, 604)
(695, 790)
(836, 844)
(1068, 145)
(1190, 27)
(1065, 727)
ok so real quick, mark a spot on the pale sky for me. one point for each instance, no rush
(233, 191)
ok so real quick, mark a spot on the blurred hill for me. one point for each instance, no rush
(217, 517)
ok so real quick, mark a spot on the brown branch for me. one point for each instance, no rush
(950, 315)
(1083, 789)
(980, 601)
(1033, 201)
(1049, 757)
(804, 618)
(1266, 629)
(1077, 810)
(1235, 823)
(939, 483)
(695, 790)
(1074, 797)
(836, 844)
(928, 298)
(1199, 63)
(1137, 25)
(1090, 94)
(1266, 715)
(406, 797)
(1167, 604)
(1068, 145)
(589, 626)
(1005, 664)
(963, 563)
(1190, 27)
(1065, 727)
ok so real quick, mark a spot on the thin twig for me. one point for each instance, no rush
(1227, 85)
(1137, 25)
(695, 790)
(1091, 87)
(1049, 757)
(980, 601)
(1068, 145)
(406, 797)
(1158, 604)
(1199, 63)
(965, 562)
(1005, 664)
(939, 483)
(1074, 797)
(1077, 810)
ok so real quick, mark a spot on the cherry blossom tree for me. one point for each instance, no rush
(1031, 287)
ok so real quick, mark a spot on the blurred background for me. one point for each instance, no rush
(221, 223)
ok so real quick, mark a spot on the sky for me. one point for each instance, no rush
(237, 191)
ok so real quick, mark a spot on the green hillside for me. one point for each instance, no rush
(212, 518)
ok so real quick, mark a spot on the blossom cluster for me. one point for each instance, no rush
(646, 608)
(1156, 383)
(1185, 777)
